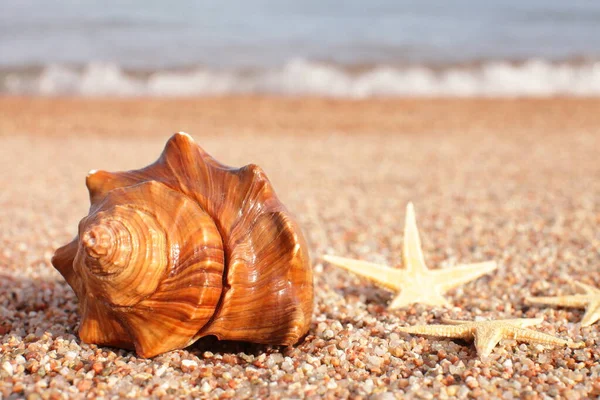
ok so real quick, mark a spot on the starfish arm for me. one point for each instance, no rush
(531, 336)
(450, 321)
(592, 313)
(449, 278)
(412, 253)
(456, 332)
(408, 296)
(486, 338)
(587, 288)
(576, 300)
(387, 277)
(521, 322)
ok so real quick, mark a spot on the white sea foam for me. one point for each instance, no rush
(537, 78)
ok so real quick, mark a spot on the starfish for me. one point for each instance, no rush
(487, 334)
(590, 301)
(415, 282)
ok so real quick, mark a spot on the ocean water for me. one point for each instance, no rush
(351, 48)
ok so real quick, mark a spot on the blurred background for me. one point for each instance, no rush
(352, 48)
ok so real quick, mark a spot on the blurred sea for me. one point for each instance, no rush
(351, 48)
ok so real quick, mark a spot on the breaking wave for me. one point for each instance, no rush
(537, 78)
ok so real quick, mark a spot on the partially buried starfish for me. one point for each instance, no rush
(487, 334)
(590, 301)
(416, 283)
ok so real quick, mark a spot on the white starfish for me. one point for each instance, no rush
(415, 282)
(487, 334)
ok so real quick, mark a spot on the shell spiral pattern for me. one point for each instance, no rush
(184, 248)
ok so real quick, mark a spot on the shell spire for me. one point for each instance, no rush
(187, 247)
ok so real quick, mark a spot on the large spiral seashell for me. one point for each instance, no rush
(185, 248)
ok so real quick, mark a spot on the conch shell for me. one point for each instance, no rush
(184, 248)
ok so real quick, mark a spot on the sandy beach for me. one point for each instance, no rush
(511, 180)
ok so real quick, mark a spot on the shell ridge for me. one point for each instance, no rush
(258, 191)
(190, 307)
(173, 150)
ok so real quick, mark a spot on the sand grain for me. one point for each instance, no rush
(517, 181)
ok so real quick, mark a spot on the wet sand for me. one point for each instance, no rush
(516, 181)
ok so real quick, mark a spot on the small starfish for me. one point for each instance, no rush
(590, 301)
(487, 334)
(416, 283)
